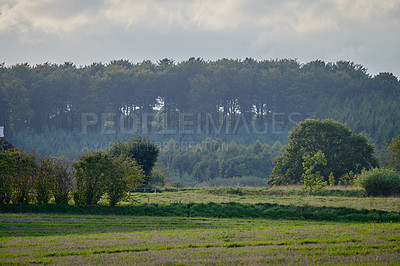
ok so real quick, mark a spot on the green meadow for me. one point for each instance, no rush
(208, 226)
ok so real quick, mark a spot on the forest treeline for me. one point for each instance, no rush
(223, 96)
(213, 162)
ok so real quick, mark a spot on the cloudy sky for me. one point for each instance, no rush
(366, 32)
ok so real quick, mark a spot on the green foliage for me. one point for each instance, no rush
(222, 210)
(98, 172)
(24, 178)
(243, 181)
(236, 94)
(331, 179)
(126, 174)
(92, 170)
(140, 149)
(344, 151)
(394, 148)
(381, 182)
(62, 179)
(54, 179)
(157, 178)
(214, 162)
(312, 179)
(44, 181)
(8, 171)
(349, 179)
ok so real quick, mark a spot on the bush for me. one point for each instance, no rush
(24, 178)
(92, 170)
(98, 173)
(394, 148)
(381, 182)
(43, 181)
(62, 179)
(126, 174)
(157, 178)
(8, 171)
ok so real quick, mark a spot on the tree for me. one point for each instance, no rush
(54, 179)
(394, 148)
(92, 171)
(344, 151)
(141, 149)
(7, 172)
(126, 175)
(62, 179)
(312, 178)
(99, 172)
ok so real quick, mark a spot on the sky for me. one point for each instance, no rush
(366, 32)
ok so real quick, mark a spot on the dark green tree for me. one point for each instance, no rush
(141, 149)
(343, 150)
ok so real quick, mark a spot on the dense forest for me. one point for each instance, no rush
(235, 100)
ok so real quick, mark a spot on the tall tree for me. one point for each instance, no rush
(343, 150)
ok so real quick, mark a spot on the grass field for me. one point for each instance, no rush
(83, 239)
(337, 197)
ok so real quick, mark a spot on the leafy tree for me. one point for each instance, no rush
(7, 172)
(99, 172)
(24, 178)
(344, 151)
(92, 171)
(394, 148)
(141, 149)
(311, 177)
(62, 179)
(157, 176)
(54, 179)
(331, 179)
(43, 182)
(126, 174)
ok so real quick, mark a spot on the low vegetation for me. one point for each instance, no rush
(381, 182)
(110, 239)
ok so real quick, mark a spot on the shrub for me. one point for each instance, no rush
(7, 174)
(157, 177)
(394, 148)
(126, 173)
(92, 170)
(62, 179)
(98, 172)
(24, 177)
(43, 182)
(311, 178)
(380, 182)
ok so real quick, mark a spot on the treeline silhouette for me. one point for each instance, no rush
(224, 95)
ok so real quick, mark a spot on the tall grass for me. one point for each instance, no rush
(221, 210)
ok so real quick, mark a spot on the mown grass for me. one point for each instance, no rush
(215, 226)
(111, 239)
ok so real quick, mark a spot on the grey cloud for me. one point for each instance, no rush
(83, 32)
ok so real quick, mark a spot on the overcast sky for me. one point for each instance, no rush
(366, 32)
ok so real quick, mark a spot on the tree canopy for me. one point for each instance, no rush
(394, 148)
(222, 95)
(140, 149)
(343, 150)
